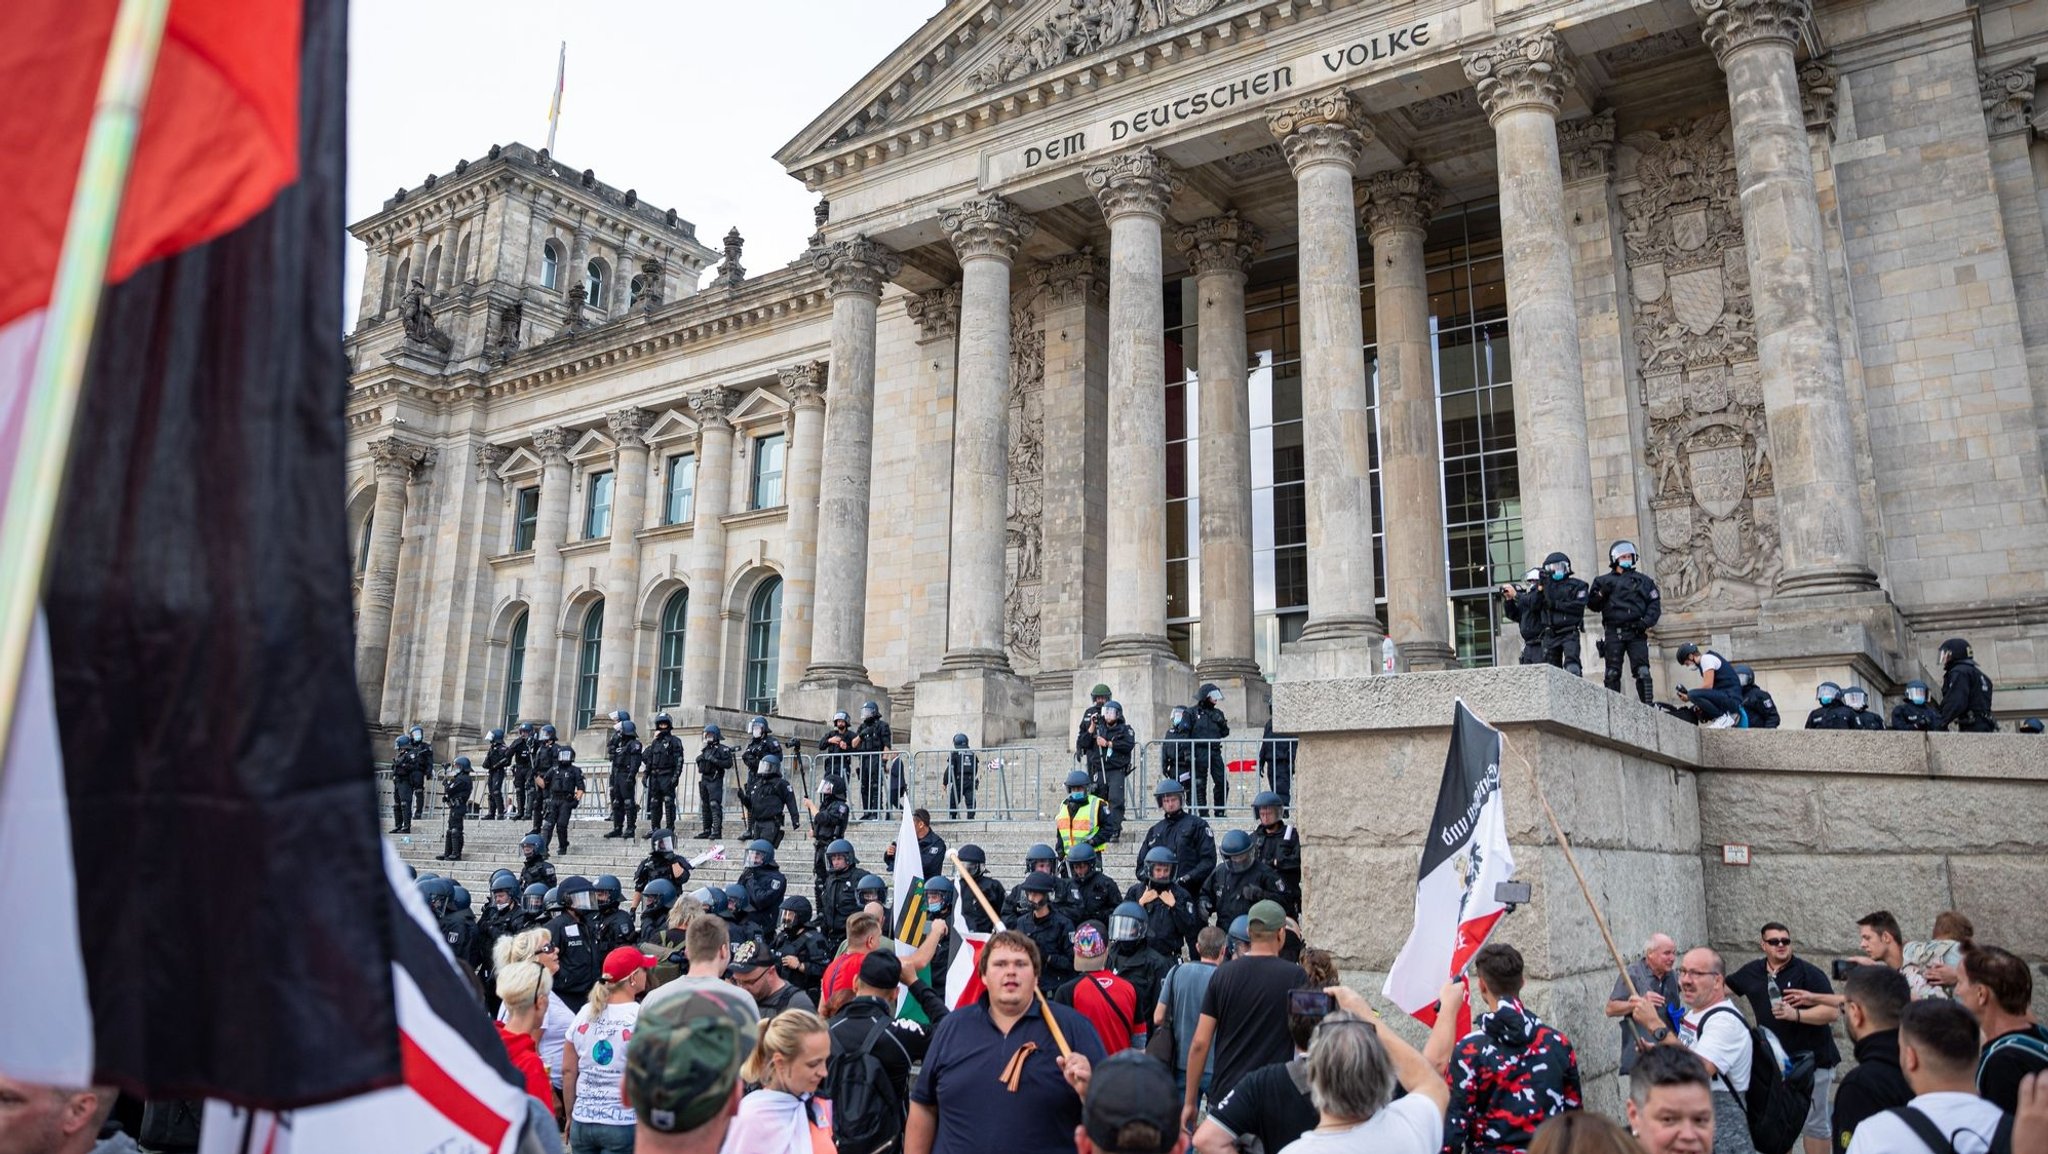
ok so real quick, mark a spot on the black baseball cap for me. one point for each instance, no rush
(1128, 1088)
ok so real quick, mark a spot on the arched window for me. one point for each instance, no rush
(404, 277)
(586, 665)
(515, 672)
(668, 676)
(550, 266)
(462, 259)
(593, 283)
(634, 291)
(363, 541)
(764, 645)
(433, 267)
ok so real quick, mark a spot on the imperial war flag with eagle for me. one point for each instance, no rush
(1465, 856)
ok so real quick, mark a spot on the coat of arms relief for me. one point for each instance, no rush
(1708, 449)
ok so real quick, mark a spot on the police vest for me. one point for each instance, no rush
(1077, 826)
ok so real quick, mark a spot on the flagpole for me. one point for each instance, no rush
(996, 919)
(58, 377)
(1565, 844)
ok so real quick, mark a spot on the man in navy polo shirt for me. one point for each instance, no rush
(994, 1078)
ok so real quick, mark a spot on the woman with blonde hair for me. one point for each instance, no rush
(784, 1116)
(594, 1062)
(538, 946)
(525, 989)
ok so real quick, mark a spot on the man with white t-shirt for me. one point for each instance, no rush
(1353, 1062)
(1718, 700)
(1938, 1051)
(1715, 1030)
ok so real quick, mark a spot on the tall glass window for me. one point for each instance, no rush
(668, 673)
(525, 517)
(764, 645)
(594, 284)
(597, 510)
(550, 266)
(363, 541)
(679, 490)
(770, 458)
(589, 654)
(515, 672)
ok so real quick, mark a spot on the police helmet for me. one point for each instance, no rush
(1953, 650)
(760, 852)
(619, 715)
(664, 840)
(659, 894)
(801, 907)
(1127, 922)
(417, 733)
(942, 889)
(1038, 883)
(737, 899)
(609, 892)
(548, 732)
(1210, 693)
(495, 735)
(458, 898)
(505, 881)
(960, 741)
(1039, 852)
(664, 721)
(401, 742)
(1827, 692)
(555, 899)
(533, 846)
(462, 763)
(627, 729)
(1100, 690)
(1236, 843)
(713, 899)
(437, 891)
(869, 709)
(867, 884)
(828, 787)
(1533, 576)
(526, 727)
(840, 715)
(1084, 855)
(2031, 725)
(576, 893)
(534, 899)
(1619, 550)
(711, 732)
(771, 765)
(1916, 691)
(1114, 710)
(1744, 675)
(1077, 779)
(1855, 698)
(1167, 787)
(1159, 855)
(973, 858)
(1267, 798)
(1687, 652)
(841, 848)
(1179, 712)
(1560, 565)
(1241, 929)
(758, 724)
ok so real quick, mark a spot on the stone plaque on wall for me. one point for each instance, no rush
(1708, 449)
(1024, 554)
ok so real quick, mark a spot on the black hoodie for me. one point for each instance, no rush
(1876, 1084)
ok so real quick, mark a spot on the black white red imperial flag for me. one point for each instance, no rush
(191, 877)
(1465, 856)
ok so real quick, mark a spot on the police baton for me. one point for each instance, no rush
(1051, 1023)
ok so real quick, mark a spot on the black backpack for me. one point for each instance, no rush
(1778, 1100)
(866, 1115)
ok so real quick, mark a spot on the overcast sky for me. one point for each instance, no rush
(684, 100)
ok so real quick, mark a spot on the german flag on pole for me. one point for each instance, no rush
(193, 878)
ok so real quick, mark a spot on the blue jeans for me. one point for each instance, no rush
(594, 1138)
(1713, 703)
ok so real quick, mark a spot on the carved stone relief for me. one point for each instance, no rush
(1708, 452)
(1025, 516)
(1077, 28)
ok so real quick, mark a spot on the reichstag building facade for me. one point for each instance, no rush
(1158, 342)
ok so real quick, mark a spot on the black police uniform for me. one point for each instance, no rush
(456, 794)
(1168, 929)
(827, 826)
(1054, 935)
(1276, 762)
(576, 953)
(1232, 891)
(1098, 895)
(931, 855)
(1280, 849)
(870, 740)
(1761, 707)
(664, 760)
(495, 924)
(1144, 968)
(962, 768)
(1966, 698)
(712, 762)
(765, 888)
(809, 947)
(539, 871)
(524, 747)
(1834, 715)
(1526, 610)
(565, 781)
(836, 750)
(758, 748)
(1925, 718)
(615, 928)
(660, 864)
(1208, 726)
(1193, 846)
(1175, 757)
(627, 757)
(1564, 618)
(765, 800)
(1629, 606)
(838, 901)
(1065, 898)
(1867, 720)
(1085, 748)
(543, 765)
(422, 770)
(970, 910)
(401, 791)
(460, 934)
(495, 760)
(1116, 770)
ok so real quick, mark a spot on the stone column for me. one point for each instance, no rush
(937, 315)
(395, 460)
(1521, 80)
(702, 625)
(544, 607)
(975, 691)
(407, 695)
(1397, 210)
(1220, 250)
(1074, 517)
(838, 674)
(1322, 137)
(805, 386)
(616, 686)
(1136, 659)
(1799, 351)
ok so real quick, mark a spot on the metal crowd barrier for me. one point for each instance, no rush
(1008, 785)
(1243, 779)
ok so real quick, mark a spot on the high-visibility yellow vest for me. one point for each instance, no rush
(1077, 826)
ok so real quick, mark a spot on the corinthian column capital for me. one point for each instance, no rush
(1402, 199)
(629, 427)
(856, 265)
(805, 384)
(1733, 24)
(489, 459)
(1140, 182)
(937, 313)
(1529, 70)
(712, 405)
(553, 444)
(1326, 129)
(985, 227)
(397, 457)
(1221, 244)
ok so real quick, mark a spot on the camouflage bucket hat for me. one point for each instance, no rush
(686, 1055)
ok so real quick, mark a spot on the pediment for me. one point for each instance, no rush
(522, 462)
(759, 406)
(592, 445)
(671, 425)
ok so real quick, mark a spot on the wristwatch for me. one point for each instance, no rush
(1662, 1033)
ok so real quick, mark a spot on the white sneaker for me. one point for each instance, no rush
(1725, 721)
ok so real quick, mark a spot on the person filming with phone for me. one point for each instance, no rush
(1512, 1072)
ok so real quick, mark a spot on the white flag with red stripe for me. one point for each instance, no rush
(963, 977)
(1466, 855)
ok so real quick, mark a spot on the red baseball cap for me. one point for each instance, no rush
(623, 961)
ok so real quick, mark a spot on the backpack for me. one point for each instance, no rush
(1778, 1099)
(1924, 1129)
(865, 1113)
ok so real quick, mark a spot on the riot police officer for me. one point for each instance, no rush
(523, 747)
(1523, 605)
(801, 952)
(1858, 702)
(1176, 757)
(829, 813)
(1086, 750)
(1564, 613)
(838, 898)
(662, 862)
(1187, 835)
(1629, 606)
(615, 925)
(836, 747)
(401, 785)
(1172, 918)
(575, 937)
(1080, 819)
(712, 762)
(455, 929)
(422, 770)
(1097, 892)
(941, 904)
(565, 789)
(1114, 740)
(1041, 859)
(962, 767)
(625, 783)
(1045, 925)
(455, 792)
(1830, 713)
(1757, 702)
(764, 883)
(1276, 843)
(1965, 691)
(664, 760)
(544, 758)
(1240, 881)
(1915, 711)
(871, 741)
(533, 904)
(496, 758)
(765, 800)
(1208, 726)
(974, 862)
(872, 890)
(501, 918)
(1133, 959)
(760, 743)
(619, 718)
(1276, 762)
(534, 866)
(657, 898)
